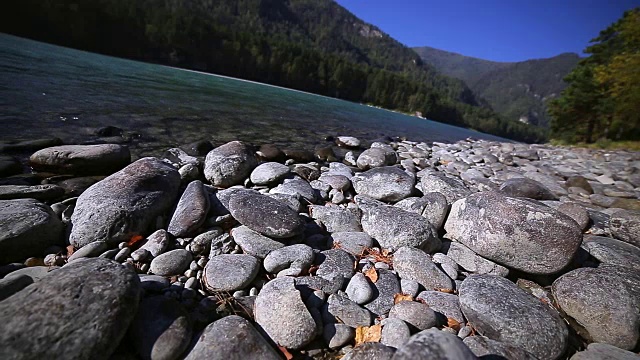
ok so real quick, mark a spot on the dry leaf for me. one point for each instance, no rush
(445, 290)
(372, 274)
(368, 334)
(285, 352)
(453, 323)
(70, 250)
(401, 297)
(134, 240)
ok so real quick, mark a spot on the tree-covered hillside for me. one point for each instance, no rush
(311, 45)
(515, 90)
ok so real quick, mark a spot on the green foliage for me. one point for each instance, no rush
(310, 45)
(602, 100)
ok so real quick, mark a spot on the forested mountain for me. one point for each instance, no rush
(516, 90)
(312, 45)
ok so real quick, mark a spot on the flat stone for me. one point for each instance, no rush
(155, 244)
(38, 192)
(478, 296)
(90, 250)
(445, 305)
(265, 215)
(471, 261)
(296, 257)
(414, 264)
(384, 291)
(229, 164)
(27, 228)
(370, 351)
(387, 183)
(338, 182)
(347, 312)
(231, 337)
(9, 166)
(605, 180)
(230, 272)
(347, 141)
(514, 232)
(359, 289)
(524, 187)
(191, 211)
(625, 225)
(434, 344)
(552, 183)
(298, 187)
(268, 173)
(173, 262)
(335, 219)
(353, 242)
(611, 251)
(416, 314)
(483, 347)
(181, 158)
(452, 189)
(33, 321)
(579, 182)
(102, 159)
(125, 204)
(576, 212)
(597, 351)
(253, 243)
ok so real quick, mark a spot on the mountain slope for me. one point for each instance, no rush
(517, 90)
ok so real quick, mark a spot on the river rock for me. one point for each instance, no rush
(585, 294)
(384, 291)
(337, 335)
(161, 329)
(191, 211)
(445, 305)
(352, 242)
(268, 173)
(173, 262)
(419, 315)
(296, 257)
(597, 351)
(524, 187)
(33, 321)
(347, 141)
(282, 314)
(253, 243)
(155, 244)
(9, 166)
(336, 219)
(579, 182)
(13, 284)
(452, 189)
(30, 145)
(335, 263)
(625, 225)
(359, 290)
(478, 294)
(471, 261)
(231, 338)
(341, 309)
(484, 347)
(38, 192)
(124, 204)
(27, 228)
(393, 227)
(434, 344)
(297, 187)
(611, 251)
(230, 272)
(376, 157)
(338, 182)
(102, 159)
(265, 215)
(414, 264)
(90, 250)
(387, 183)
(395, 332)
(576, 212)
(229, 164)
(370, 351)
(514, 232)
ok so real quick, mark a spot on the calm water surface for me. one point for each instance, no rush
(47, 90)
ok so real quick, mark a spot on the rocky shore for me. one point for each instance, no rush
(357, 250)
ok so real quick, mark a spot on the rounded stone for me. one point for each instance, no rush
(268, 173)
(359, 290)
(414, 313)
(229, 164)
(102, 159)
(173, 262)
(434, 344)
(230, 272)
(384, 183)
(265, 215)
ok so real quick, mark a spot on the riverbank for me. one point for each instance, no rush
(387, 249)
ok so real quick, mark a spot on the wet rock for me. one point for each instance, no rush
(336, 219)
(483, 347)
(265, 215)
(230, 272)
(35, 319)
(27, 228)
(384, 291)
(471, 261)
(299, 156)
(174, 262)
(350, 241)
(268, 173)
(271, 152)
(416, 314)
(191, 211)
(347, 141)
(452, 189)
(124, 204)
(414, 264)
(198, 148)
(181, 158)
(9, 166)
(38, 192)
(102, 159)
(524, 187)
(387, 183)
(253, 243)
(229, 164)
(434, 344)
(625, 225)
(109, 131)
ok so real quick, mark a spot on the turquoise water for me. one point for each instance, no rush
(48, 90)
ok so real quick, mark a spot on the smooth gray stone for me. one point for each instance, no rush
(292, 201)
(33, 321)
(471, 261)
(102, 159)
(298, 256)
(387, 183)
(124, 204)
(347, 141)
(478, 295)
(27, 228)
(452, 189)
(191, 211)
(335, 219)
(265, 215)
(434, 344)
(338, 182)
(337, 335)
(435, 209)
(90, 250)
(376, 157)
(416, 314)
(359, 290)
(353, 242)
(580, 182)
(181, 158)
(231, 338)
(625, 225)
(253, 243)
(161, 329)
(414, 264)
(340, 309)
(445, 305)
(173, 262)
(155, 283)
(514, 232)
(393, 227)
(230, 272)
(334, 263)
(11, 285)
(370, 351)
(611, 251)
(336, 168)
(524, 187)
(297, 187)
(395, 333)
(282, 314)
(576, 212)
(38, 192)
(155, 244)
(34, 272)
(385, 289)
(203, 243)
(268, 173)
(598, 351)
(482, 347)
(550, 182)
(602, 303)
(409, 287)
(447, 264)
(305, 283)
(229, 164)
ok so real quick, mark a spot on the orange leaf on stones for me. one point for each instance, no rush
(372, 274)
(366, 334)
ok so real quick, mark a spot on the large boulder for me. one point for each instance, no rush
(515, 232)
(27, 228)
(81, 311)
(125, 204)
(102, 159)
(229, 164)
(387, 183)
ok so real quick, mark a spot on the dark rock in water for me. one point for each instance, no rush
(29, 145)
(191, 211)
(414, 264)
(434, 344)
(370, 351)
(198, 148)
(300, 156)
(602, 303)
(524, 187)
(478, 296)
(38, 192)
(79, 312)
(387, 183)
(486, 348)
(612, 252)
(108, 131)
(125, 204)
(625, 225)
(265, 215)
(231, 338)
(76, 186)
(597, 351)
(271, 152)
(102, 159)
(514, 232)
(161, 329)
(386, 288)
(230, 272)
(229, 164)
(9, 166)
(452, 189)
(579, 182)
(326, 153)
(27, 228)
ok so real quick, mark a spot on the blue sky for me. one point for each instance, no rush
(499, 30)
